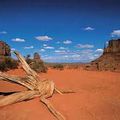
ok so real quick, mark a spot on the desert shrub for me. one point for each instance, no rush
(8, 63)
(38, 66)
(58, 66)
(74, 66)
(3, 66)
(11, 63)
(36, 63)
(28, 59)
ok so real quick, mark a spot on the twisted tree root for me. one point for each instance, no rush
(36, 88)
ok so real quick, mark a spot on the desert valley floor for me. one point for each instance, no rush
(97, 96)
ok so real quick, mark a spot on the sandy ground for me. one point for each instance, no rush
(97, 97)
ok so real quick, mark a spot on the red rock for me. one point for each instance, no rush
(109, 60)
(4, 49)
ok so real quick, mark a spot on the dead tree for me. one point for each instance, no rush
(36, 88)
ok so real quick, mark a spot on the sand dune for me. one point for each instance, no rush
(97, 97)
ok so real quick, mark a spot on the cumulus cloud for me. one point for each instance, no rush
(115, 33)
(85, 55)
(61, 51)
(79, 55)
(49, 47)
(89, 28)
(44, 45)
(3, 32)
(70, 57)
(85, 46)
(12, 49)
(18, 40)
(44, 38)
(67, 42)
(62, 48)
(42, 50)
(29, 47)
(99, 50)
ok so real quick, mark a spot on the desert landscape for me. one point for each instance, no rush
(59, 60)
(97, 96)
(95, 90)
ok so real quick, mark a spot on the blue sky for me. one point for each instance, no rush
(60, 30)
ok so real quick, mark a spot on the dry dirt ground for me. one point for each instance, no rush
(97, 97)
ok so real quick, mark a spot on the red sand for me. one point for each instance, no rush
(97, 97)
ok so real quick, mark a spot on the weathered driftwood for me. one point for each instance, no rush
(36, 88)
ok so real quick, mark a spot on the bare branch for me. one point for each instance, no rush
(31, 73)
(19, 80)
(64, 91)
(18, 97)
(57, 114)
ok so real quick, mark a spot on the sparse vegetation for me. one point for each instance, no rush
(8, 63)
(38, 66)
(28, 59)
(62, 66)
(58, 66)
(36, 63)
(2, 66)
(73, 66)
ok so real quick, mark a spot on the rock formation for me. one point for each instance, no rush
(113, 47)
(37, 57)
(6, 61)
(4, 49)
(37, 63)
(109, 60)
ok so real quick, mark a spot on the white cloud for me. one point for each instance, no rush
(42, 50)
(67, 42)
(107, 42)
(44, 38)
(99, 50)
(12, 49)
(89, 28)
(79, 55)
(49, 47)
(18, 40)
(44, 45)
(29, 47)
(85, 55)
(74, 57)
(3, 32)
(115, 33)
(61, 51)
(96, 55)
(85, 46)
(62, 48)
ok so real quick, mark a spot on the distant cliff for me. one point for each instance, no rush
(113, 47)
(109, 60)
